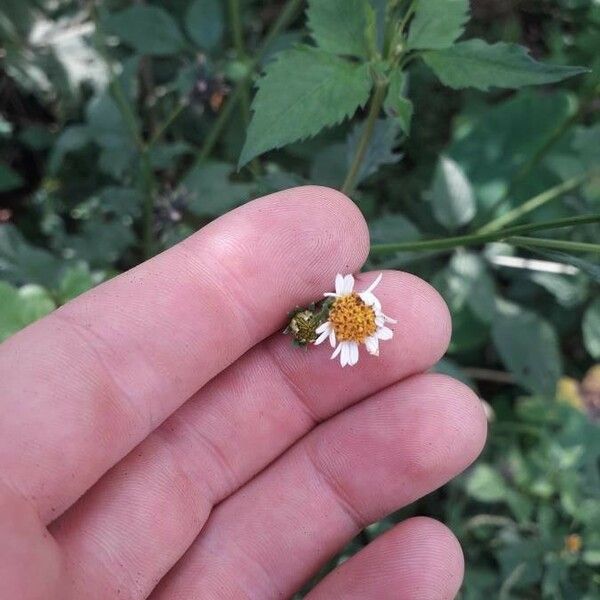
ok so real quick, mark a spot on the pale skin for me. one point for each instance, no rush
(160, 438)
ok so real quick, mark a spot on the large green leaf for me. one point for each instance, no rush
(475, 63)
(302, 92)
(147, 29)
(340, 26)
(493, 144)
(438, 23)
(212, 190)
(591, 329)
(529, 348)
(205, 22)
(451, 195)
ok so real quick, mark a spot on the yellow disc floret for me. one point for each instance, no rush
(351, 319)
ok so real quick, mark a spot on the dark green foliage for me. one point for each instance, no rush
(121, 134)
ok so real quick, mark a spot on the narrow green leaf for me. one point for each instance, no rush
(147, 29)
(451, 195)
(396, 104)
(475, 63)
(205, 22)
(340, 26)
(437, 23)
(302, 92)
(381, 150)
(529, 348)
(591, 329)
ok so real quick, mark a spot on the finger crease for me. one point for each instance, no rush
(337, 490)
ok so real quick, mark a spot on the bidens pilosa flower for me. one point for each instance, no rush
(354, 318)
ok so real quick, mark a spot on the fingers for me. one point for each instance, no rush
(269, 537)
(31, 566)
(229, 431)
(82, 387)
(419, 559)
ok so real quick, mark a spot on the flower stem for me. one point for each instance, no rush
(285, 17)
(564, 245)
(365, 138)
(534, 203)
(147, 181)
(476, 239)
(237, 35)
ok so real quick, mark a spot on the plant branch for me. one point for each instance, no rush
(147, 182)
(237, 35)
(476, 239)
(285, 17)
(564, 245)
(365, 138)
(534, 203)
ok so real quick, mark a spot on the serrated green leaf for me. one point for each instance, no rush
(528, 346)
(475, 63)
(591, 329)
(205, 22)
(147, 29)
(396, 104)
(340, 26)
(302, 92)
(437, 23)
(451, 195)
(212, 190)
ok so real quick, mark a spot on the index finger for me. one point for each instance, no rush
(83, 386)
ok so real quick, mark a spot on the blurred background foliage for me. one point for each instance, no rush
(120, 129)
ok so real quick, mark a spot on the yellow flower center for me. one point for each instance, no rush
(351, 319)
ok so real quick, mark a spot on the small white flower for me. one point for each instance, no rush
(354, 318)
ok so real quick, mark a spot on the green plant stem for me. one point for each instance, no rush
(237, 35)
(365, 138)
(561, 129)
(564, 245)
(410, 11)
(160, 132)
(476, 239)
(147, 181)
(534, 203)
(285, 17)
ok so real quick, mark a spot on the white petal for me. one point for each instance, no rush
(345, 356)
(380, 321)
(348, 284)
(374, 284)
(323, 327)
(389, 319)
(353, 354)
(385, 333)
(339, 284)
(370, 300)
(336, 351)
(332, 338)
(321, 338)
(372, 345)
(331, 295)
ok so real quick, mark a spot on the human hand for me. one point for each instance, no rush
(155, 442)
